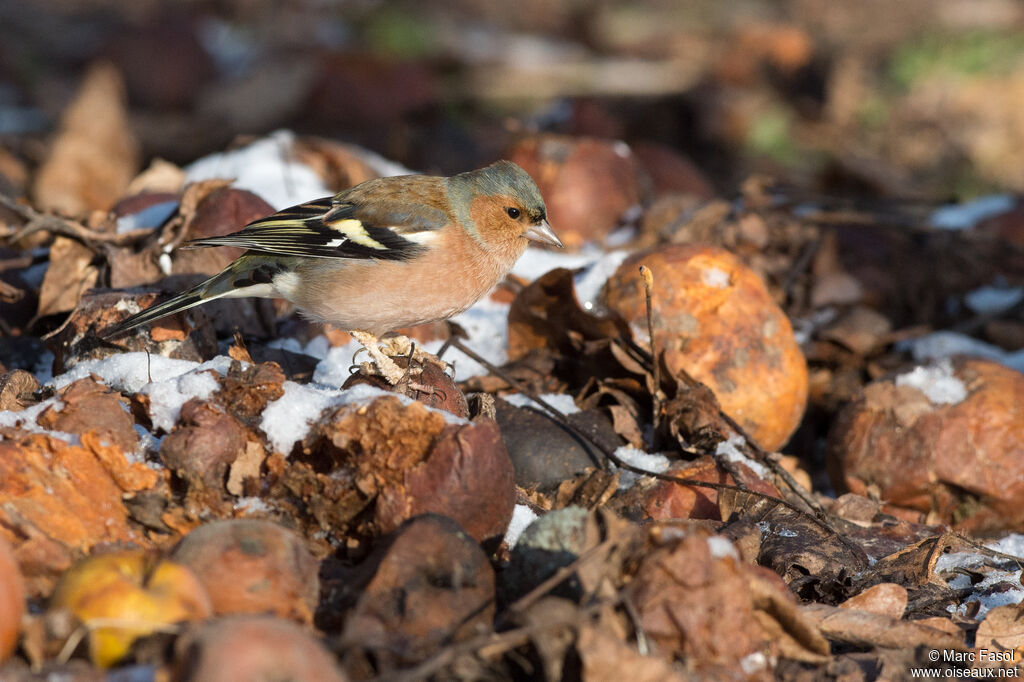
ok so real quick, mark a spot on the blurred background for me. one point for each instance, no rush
(920, 99)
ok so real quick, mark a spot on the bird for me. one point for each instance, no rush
(388, 253)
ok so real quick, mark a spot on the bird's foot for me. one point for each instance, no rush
(383, 353)
(404, 346)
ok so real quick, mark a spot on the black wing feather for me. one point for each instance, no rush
(309, 230)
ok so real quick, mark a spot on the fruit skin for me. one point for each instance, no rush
(12, 600)
(715, 318)
(125, 595)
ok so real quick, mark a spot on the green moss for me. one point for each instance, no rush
(771, 135)
(394, 32)
(966, 54)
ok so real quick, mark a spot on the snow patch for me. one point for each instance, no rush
(653, 463)
(715, 277)
(266, 168)
(730, 450)
(967, 215)
(522, 516)
(560, 401)
(938, 383)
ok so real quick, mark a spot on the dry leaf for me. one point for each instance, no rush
(68, 276)
(95, 154)
(246, 466)
(884, 599)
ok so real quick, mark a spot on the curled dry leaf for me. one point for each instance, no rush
(607, 658)
(883, 599)
(1000, 636)
(674, 587)
(17, 389)
(814, 562)
(339, 165)
(70, 274)
(547, 314)
(95, 154)
(861, 628)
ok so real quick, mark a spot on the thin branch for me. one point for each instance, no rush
(65, 227)
(819, 520)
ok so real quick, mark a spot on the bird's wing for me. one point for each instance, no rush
(346, 226)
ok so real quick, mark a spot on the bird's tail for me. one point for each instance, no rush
(250, 275)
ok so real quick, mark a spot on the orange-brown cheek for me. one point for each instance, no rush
(492, 225)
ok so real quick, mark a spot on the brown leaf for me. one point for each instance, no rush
(544, 313)
(814, 562)
(16, 390)
(606, 658)
(221, 211)
(589, 490)
(914, 565)
(246, 466)
(780, 616)
(884, 599)
(696, 603)
(861, 628)
(95, 154)
(1002, 633)
(339, 165)
(861, 330)
(69, 274)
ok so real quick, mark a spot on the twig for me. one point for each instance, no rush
(40, 222)
(763, 456)
(816, 518)
(528, 599)
(494, 642)
(656, 395)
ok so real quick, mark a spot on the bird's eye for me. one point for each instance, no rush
(513, 212)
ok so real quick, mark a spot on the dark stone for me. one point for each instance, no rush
(544, 452)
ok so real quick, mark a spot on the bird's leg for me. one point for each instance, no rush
(403, 345)
(391, 372)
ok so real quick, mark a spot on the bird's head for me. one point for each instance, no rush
(499, 203)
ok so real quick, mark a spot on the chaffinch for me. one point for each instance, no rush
(388, 253)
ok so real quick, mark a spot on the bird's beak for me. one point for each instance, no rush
(542, 232)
